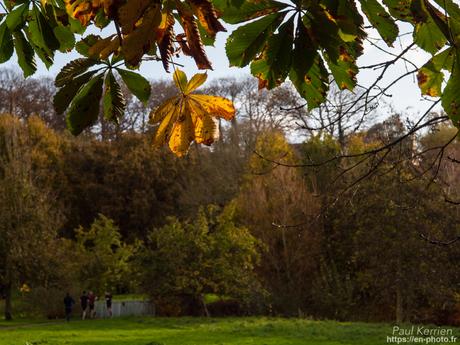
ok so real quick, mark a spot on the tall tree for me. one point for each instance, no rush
(276, 205)
(209, 254)
(28, 217)
(104, 260)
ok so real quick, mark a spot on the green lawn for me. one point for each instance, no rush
(195, 331)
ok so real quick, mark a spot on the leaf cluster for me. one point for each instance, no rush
(305, 41)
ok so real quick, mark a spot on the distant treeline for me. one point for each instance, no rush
(348, 223)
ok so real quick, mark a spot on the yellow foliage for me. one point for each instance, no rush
(357, 144)
(24, 288)
(146, 25)
(271, 146)
(142, 37)
(86, 10)
(190, 117)
(216, 104)
(82, 10)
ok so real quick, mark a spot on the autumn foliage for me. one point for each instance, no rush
(190, 117)
(308, 42)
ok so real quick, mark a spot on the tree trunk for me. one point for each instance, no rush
(399, 305)
(341, 131)
(234, 133)
(399, 273)
(8, 307)
(205, 308)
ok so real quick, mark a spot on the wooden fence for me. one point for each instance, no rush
(125, 308)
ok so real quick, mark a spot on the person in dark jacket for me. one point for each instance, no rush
(84, 304)
(108, 303)
(68, 305)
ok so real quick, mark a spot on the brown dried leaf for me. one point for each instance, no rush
(183, 44)
(194, 44)
(165, 36)
(207, 16)
(130, 13)
(111, 48)
(97, 48)
(143, 37)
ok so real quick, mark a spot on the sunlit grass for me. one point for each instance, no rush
(196, 331)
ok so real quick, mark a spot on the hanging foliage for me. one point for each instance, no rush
(304, 41)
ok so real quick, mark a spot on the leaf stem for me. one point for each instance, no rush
(117, 27)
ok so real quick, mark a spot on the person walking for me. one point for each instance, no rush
(91, 304)
(108, 303)
(84, 304)
(68, 304)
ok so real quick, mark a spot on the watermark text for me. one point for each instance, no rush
(421, 335)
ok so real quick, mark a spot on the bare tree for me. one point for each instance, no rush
(25, 97)
(340, 116)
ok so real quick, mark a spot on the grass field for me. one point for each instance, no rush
(194, 331)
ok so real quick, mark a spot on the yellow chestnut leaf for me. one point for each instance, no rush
(189, 117)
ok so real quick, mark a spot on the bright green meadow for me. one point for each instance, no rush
(194, 331)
